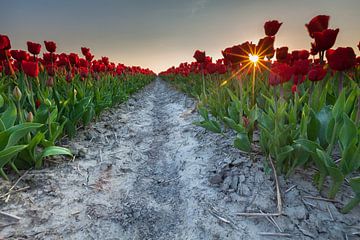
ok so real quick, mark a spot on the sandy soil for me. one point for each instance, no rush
(144, 171)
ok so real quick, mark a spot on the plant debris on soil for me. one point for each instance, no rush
(144, 171)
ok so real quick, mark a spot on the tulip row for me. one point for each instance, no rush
(44, 99)
(301, 112)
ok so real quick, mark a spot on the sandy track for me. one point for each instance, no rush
(143, 171)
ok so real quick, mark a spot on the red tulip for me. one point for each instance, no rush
(326, 39)
(265, 47)
(272, 27)
(294, 89)
(341, 59)
(211, 68)
(200, 56)
(301, 67)
(83, 72)
(33, 48)
(304, 54)
(85, 51)
(222, 69)
(31, 69)
(50, 46)
(89, 57)
(317, 73)
(20, 55)
(49, 57)
(280, 73)
(4, 55)
(73, 58)
(281, 54)
(4, 42)
(37, 103)
(317, 24)
(105, 60)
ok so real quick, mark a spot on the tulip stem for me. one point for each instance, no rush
(253, 85)
(341, 82)
(203, 81)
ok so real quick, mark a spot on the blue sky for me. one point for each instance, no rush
(162, 33)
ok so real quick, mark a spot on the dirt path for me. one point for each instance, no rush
(143, 171)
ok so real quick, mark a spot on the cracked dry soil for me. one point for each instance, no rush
(144, 171)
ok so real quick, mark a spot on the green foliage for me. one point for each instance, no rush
(311, 127)
(29, 133)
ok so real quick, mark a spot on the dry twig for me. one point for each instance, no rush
(278, 196)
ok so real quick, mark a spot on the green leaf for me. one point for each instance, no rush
(313, 127)
(323, 117)
(350, 158)
(8, 153)
(232, 124)
(1, 101)
(242, 142)
(204, 113)
(209, 125)
(349, 105)
(355, 185)
(8, 118)
(54, 150)
(284, 153)
(339, 106)
(348, 132)
(19, 131)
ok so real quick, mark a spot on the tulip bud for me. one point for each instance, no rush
(50, 82)
(30, 117)
(75, 92)
(41, 67)
(17, 93)
(47, 102)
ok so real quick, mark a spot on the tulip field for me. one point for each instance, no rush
(301, 108)
(45, 99)
(90, 149)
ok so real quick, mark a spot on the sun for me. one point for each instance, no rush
(253, 58)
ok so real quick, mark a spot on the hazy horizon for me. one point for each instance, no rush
(163, 33)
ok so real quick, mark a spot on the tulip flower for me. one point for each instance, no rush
(200, 56)
(272, 27)
(85, 51)
(341, 59)
(31, 69)
(358, 46)
(20, 55)
(73, 58)
(304, 54)
(50, 46)
(282, 54)
(317, 73)
(33, 48)
(301, 67)
(4, 42)
(326, 39)
(294, 89)
(37, 103)
(265, 47)
(317, 24)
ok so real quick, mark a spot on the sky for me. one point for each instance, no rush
(161, 33)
